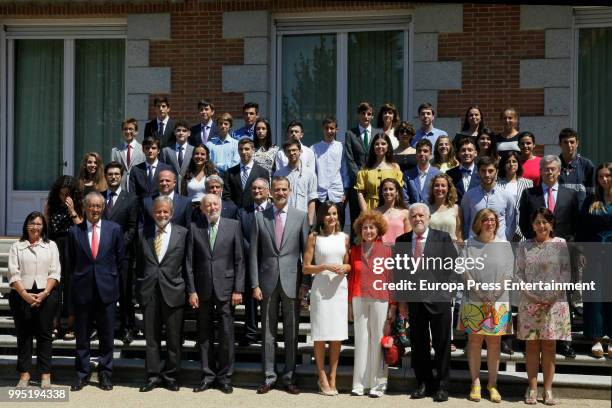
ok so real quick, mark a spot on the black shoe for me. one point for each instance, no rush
(440, 396)
(128, 336)
(567, 350)
(150, 385)
(93, 335)
(226, 388)
(420, 392)
(506, 347)
(203, 386)
(265, 388)
(172, 386)
(79, 384)
(105, 383)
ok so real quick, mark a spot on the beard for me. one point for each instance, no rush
(162, 223)
(213, 217)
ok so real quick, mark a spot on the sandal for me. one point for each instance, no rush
(494, 395)
(597, 350)
(548, 398)
(531, 396)
(475, 393)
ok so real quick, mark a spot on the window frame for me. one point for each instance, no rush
(339, 24)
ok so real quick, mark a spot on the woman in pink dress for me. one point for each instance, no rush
(393, 210)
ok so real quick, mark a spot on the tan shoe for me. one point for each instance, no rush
(597, 350)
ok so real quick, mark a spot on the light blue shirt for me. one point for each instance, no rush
(555, 190)
(432, 136)
(224, 153)
(303, 184)
(332, 174)
(498, 200)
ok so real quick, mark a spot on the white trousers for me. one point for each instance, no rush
(369, 317)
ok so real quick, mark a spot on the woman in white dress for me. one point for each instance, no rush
(200, 167)
(326, 257)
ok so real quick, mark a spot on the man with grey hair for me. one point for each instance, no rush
(428, 309)
(218, 269)
(563, 203)
(95, 258)
(165, 283)
(214, 185)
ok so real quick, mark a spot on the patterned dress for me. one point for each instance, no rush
(265, 158)
(543, 262)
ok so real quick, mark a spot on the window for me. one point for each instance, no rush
(327, 68)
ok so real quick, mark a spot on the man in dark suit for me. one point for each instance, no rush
(207, 128)
(428, 309)
(215, 185)
(165, 282)
(179, 155)
(238, 179)
(181, 214)
(563, 202)
(145, 176)
(418, 179)
(162, 127)
(122, 208)
(356, 146)
(260, 191)
(218, 269)
(95, 260)
(278, 239)
(465, 176)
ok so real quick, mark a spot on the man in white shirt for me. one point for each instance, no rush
(295, 130)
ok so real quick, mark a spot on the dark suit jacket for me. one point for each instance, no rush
(139, 182)
(181, 214)
(457, 177)
(124, 213)
(218, 271)
(438, 244)
(566, 212)
(413, 188)
(167, 139)
(229, 209)
(355, 152)
(233, 185)
(195, 138)
(101, 273)
(173, 274)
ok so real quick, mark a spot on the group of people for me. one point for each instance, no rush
(206, 217)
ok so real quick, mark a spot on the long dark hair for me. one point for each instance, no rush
(387, 107)
(192, 170)
(371, 161)
(322, 212)
(504, 159)
(30, 217)
(399, 200)
(54, 203)
(466, 122)
(492, 136)
(267, 143)
(599, 201)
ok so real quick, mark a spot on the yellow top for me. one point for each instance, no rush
(368, 181)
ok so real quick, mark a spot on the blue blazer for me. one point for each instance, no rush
(141, 185)
(457, 177)
(412, 186)
(102, 273)
(181, 213)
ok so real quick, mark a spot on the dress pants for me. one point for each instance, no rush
(269, 326)
(421, 321)
(103, 314)
(33, 322)
(157, 313)
(250, 311)
(217, 363)
(127, 314)
(369, 316)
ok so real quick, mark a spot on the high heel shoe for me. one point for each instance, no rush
(328, 393)
(548, 398)
(531, 396)
(494, 395)
(475, 393)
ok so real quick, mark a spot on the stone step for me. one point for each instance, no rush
(401, 380)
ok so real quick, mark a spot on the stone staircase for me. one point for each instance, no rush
(584, 376)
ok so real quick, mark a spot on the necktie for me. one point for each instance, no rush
(180, 156)
(151, 173)
(465, 171)
(160, 129)
(366, 139)
(158, 242)
(418, 247)
(109, 204)
(212, 235)
(94, 241)
(244, 175)
(205, 133)
(279, 227)
(129, 155)
(551, 200)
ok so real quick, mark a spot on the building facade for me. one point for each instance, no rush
(72, 71)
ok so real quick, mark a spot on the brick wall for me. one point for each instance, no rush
(490, 48)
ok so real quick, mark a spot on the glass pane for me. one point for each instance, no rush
(99, 96)
(375, 70)
(595, 93)
(37, 125)
(308, 82)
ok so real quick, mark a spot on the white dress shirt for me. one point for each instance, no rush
(165, 240)
(332, 173)
(555, 191)
(90, 231)
(307, 157)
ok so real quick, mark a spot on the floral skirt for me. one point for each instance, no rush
(481, 318)
(538, 322)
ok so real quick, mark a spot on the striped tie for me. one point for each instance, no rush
(244, 176)
(158, 242)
